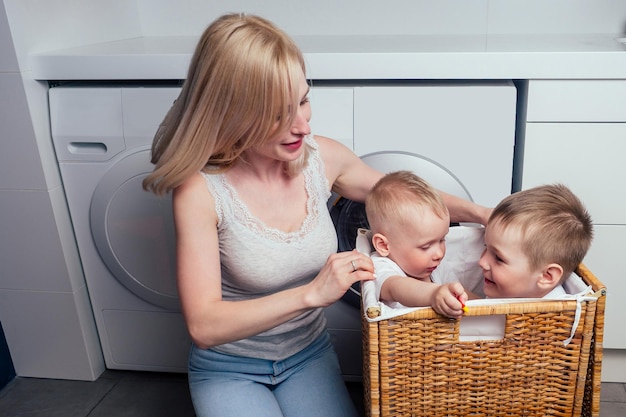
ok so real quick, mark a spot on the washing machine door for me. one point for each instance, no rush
(348, 216)
(133, 231)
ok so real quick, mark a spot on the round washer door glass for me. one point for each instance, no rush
(134, 232)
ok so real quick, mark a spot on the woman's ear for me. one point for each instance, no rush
(380, 244)
(550, 276)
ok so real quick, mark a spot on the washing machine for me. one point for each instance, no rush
(102, 137)
(459, 136)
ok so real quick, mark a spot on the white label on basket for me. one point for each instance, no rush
(482, 328)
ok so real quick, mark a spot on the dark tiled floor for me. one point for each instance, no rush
(139, 394)
(114, 394)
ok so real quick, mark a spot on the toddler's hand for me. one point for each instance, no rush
(449, 299)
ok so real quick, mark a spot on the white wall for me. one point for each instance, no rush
(44, 306)
(40, 25)
(556, 16)
(322, 17)
(347, 17)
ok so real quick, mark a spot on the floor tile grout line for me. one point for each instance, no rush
(111, 388)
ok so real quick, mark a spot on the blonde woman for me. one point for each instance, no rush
(256, 247)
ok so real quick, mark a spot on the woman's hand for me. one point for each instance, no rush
(341, 270)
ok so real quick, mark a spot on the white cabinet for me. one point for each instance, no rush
(577, 101)
(576, 135)
(589, 157)
(467, 128)
(332, 110)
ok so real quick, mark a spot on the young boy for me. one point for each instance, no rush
(409, 222)
(534, 240)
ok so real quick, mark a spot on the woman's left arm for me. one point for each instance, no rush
(352, 178)
(347, 174)
(462, 210)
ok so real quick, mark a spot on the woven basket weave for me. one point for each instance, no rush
(414, 365)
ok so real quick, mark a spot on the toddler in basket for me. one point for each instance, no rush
(409, 223)
(534, 240)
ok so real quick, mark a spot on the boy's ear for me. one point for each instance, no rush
(550, 276)
(380, 244)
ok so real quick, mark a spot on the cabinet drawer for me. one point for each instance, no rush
(588, 157)
(606, 261)
(577, 101)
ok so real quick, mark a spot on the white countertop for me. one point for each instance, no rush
(601, 56)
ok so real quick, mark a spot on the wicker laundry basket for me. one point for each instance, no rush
(415, 365)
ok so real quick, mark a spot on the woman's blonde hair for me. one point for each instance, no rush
(555, 225)
(395, 198)
(240, 91)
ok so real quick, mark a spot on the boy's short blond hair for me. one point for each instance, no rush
(554, 224)
(395, 198)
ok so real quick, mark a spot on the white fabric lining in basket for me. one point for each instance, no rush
(464, 244)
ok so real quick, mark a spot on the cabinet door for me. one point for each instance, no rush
(588, 157)
(332, 113)
(606, 261)
(469, 129)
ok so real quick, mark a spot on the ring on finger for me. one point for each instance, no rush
(354, 268)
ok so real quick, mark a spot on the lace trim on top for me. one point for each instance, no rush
(249, 221)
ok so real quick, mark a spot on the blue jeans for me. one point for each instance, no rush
(307, 384)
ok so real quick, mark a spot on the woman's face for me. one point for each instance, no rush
(287, 145)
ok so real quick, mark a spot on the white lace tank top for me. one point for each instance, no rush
(257, 260)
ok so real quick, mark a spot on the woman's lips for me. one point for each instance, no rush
(293, 145)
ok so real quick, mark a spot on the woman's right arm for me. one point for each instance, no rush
(197, 253)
